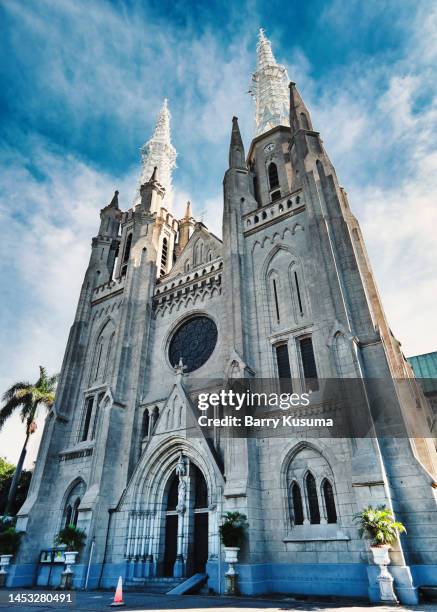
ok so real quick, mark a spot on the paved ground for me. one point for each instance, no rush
(98, 601)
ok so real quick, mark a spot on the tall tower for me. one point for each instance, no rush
(160, 153)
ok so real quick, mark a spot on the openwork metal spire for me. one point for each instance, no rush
(270, 89)
(160, 153)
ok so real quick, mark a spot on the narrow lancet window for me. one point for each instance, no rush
(284, 372)
(328, 494)
(87, 418)
(68, 515)
(273, 176)
(76, 511)
(275, 295)
(299, 298)
(109, 356)
(126, 254)
(297, 507)
(309, 363)
(98, 358)
(146, 423)
(164, 256)
(313, 503)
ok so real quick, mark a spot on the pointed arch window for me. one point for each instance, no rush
(87, 418)
(309, 363)
(109, 356)
(96, 414)
(146, 423)
(296, 504)
(164, 256)
(98, 357)
(68, 515)
(275, 299)
(198, 253)
(200, 488)
(126, 254)
(127, 248)
(75, 512)
(155, 417)
(328, 495)
(70, 512)
(284, 372)
(273, 175)
(313, 502)
(299, 297)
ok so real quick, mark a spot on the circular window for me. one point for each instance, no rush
(193, 342)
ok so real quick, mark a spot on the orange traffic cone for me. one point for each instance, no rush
(118, 597)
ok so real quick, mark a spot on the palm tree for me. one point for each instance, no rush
(28, 397)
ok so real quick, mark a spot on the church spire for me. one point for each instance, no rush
(270, 89)
(160, 153)
(188, 211)
(236, 147)
(114, 202)
(300, 118)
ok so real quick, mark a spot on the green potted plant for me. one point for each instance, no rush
(378, 526)
(231, 534)
(9, 544)
(73, 539)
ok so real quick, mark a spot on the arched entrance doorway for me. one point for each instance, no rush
(171, 527)
(186, 521)
(200, 536)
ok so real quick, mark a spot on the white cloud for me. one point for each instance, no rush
(381, 142)
(48, 227)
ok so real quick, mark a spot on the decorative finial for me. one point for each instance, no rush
(236, 148)
(114, 201)
(179, 368)
(188, 211)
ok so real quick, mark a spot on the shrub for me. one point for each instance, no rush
(378, 524)
(10, 538)
(232, 528)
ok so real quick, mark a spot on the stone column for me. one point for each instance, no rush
(148, 565)
(181, 471)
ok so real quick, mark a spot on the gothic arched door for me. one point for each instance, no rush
(200, 535)
(171, 527)
(186, 521)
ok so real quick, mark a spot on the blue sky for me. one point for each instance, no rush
(82, 83)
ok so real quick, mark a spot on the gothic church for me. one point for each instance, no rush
(166, 306)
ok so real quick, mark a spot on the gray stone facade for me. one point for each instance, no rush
(292, 266)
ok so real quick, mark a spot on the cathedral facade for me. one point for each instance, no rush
(165, 307)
